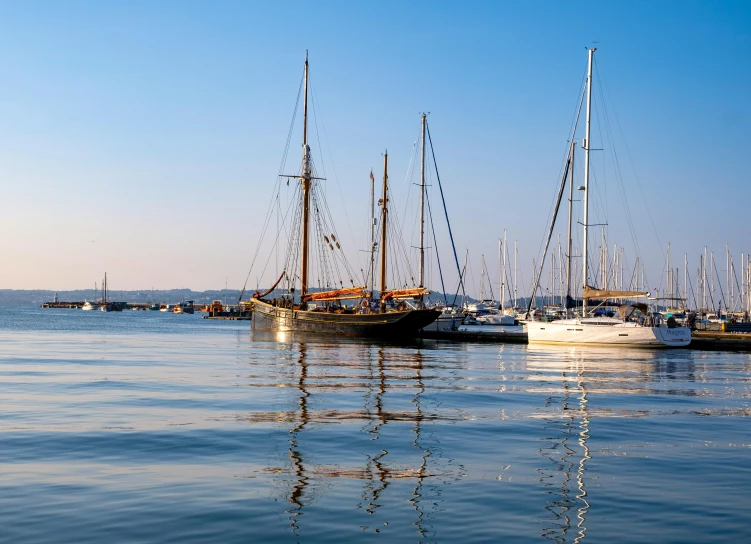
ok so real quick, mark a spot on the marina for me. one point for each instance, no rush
(452, 272)
(732, 337)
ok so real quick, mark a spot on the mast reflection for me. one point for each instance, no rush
(570, 498)
(301, 483)
(376, 466)
(425, 453)
(376, 372)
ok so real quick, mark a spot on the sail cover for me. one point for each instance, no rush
(591, 292)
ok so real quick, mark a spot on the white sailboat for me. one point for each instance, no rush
(634, 325)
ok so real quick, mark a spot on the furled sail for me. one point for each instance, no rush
(591, 292)
(336, 294)
(395, 294)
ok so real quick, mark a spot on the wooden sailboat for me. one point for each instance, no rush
(105, 306)
(634, 326)
(381, 318)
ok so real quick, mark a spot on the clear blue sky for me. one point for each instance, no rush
(143, 138)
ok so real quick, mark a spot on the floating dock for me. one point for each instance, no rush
(720, 341)
(465, 334)
(700, 340)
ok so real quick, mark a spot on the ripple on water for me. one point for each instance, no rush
(175, 429)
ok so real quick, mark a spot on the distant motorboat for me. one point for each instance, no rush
(166, 308)
(154, 307)
(184, 308)
(88, 306)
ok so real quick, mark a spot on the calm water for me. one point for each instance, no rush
(153, 427)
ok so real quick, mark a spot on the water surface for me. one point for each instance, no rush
(154, 427)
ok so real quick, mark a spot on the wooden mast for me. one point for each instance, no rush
(384, 215)
(305, 190)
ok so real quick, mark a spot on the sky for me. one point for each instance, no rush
(144, 138)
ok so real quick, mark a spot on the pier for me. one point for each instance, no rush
(700, 340)
(466, 335)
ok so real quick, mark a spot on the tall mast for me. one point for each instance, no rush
(305, 189)
(669, 273)
(422, 206)
(516, 258)
(586, 174)
(570, 212)
(727, 270)
(372, 232)
(712, 267)
(685, 280)
(502, 263)
(560, 271)
(384, 216)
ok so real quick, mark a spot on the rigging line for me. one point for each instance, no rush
(566, 162)
(333, 163)
(294, 243)
(471, 276)
(325, 268)
(410, 191)
(719, 284)
(693, 295)
(399, 248)
(550, 234)
(619, 177)
(278, 183)
(604, 183)
(445, 211)
(633, 166)
(276, 240)
(437, 254)
(572, 133)
(329, 223)
(735, 276)
(267, 221)
(328, 262)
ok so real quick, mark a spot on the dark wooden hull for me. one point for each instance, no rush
(388, 325)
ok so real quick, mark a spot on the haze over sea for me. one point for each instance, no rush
(153, 427)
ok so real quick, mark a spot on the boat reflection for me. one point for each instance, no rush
(568, 453)
(570, 376)
(620, 371)
(375, 372)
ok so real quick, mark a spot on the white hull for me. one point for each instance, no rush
(496, 319)
(88, 306)
(606, 332)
